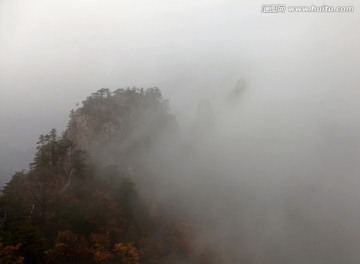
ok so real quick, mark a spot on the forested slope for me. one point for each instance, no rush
(86, 197)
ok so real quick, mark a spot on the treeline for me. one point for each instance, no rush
(78, 202)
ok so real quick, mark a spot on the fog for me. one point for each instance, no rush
(275, 176)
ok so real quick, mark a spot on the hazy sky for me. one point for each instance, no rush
(293, 141)
(55, 53)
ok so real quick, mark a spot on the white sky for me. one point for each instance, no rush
(55, 53)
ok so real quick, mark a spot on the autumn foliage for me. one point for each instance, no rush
(79, 201)
(8, 254)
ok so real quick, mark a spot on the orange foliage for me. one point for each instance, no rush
(8, 254)
(68, 248)
(100, 249)
(127, 253)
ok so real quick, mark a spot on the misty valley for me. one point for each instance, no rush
(179, 132)
(125, 184)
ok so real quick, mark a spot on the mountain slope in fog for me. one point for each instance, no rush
(79, 202)
(249, 183)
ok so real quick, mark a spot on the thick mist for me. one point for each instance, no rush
(267, 167)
